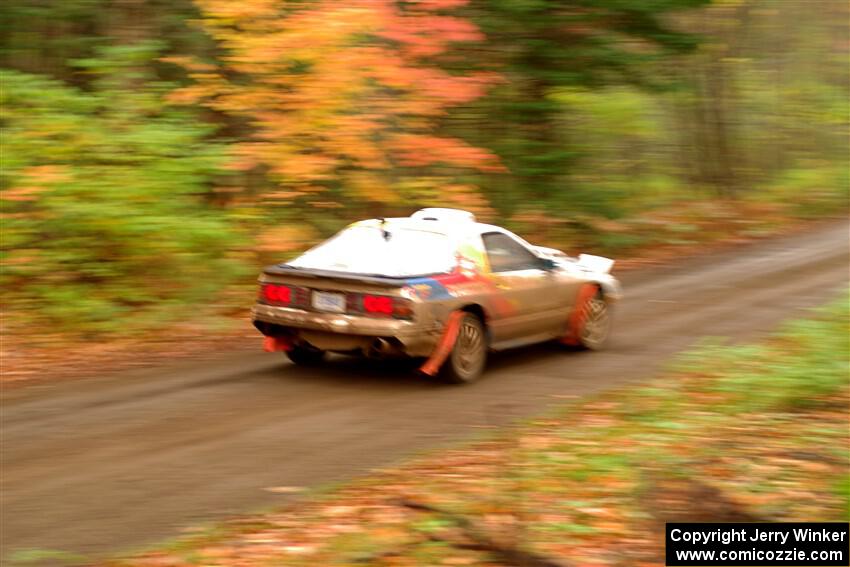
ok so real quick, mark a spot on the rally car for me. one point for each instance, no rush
(437, 285)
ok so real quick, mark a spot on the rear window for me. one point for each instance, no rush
(364, 250)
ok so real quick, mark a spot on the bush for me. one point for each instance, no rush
(103, 203)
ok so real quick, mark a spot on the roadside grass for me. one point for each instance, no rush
(729, 433)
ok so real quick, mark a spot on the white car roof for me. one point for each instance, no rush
(452, 222)
(454, 230)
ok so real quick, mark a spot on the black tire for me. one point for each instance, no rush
(469, 356)
(596, 326)
(305, 355)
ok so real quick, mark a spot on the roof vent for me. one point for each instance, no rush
(445, 215)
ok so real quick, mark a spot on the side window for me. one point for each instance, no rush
(506, 254)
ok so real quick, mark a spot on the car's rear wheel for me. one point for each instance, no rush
(596, 322)
(305, 355)
(469, 354)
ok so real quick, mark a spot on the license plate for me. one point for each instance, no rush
(326, 301)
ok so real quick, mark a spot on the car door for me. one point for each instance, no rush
(528, 295)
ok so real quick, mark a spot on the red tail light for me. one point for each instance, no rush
(277, 293)
(383, 305)
(378, 304)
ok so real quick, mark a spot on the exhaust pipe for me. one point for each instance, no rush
(379, 348)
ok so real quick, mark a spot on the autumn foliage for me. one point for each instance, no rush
(339, 96)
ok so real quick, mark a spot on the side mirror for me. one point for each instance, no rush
(547, 264)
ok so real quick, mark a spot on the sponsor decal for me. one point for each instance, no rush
(428, 288)
(468, 278)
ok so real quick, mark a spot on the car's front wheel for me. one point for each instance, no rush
(469, 354)
(305, 355)
(595, 322)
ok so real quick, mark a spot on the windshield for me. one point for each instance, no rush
(364, 250)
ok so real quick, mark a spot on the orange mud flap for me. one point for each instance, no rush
(276, 344)
(445, 346)
(576, 321)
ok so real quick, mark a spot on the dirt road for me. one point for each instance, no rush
(117, 462)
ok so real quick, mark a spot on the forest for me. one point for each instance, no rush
(156, 153)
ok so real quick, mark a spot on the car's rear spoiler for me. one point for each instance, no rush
(593, 263)
(286, 270)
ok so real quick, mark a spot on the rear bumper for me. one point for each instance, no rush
(334, 322)
(417, 339)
